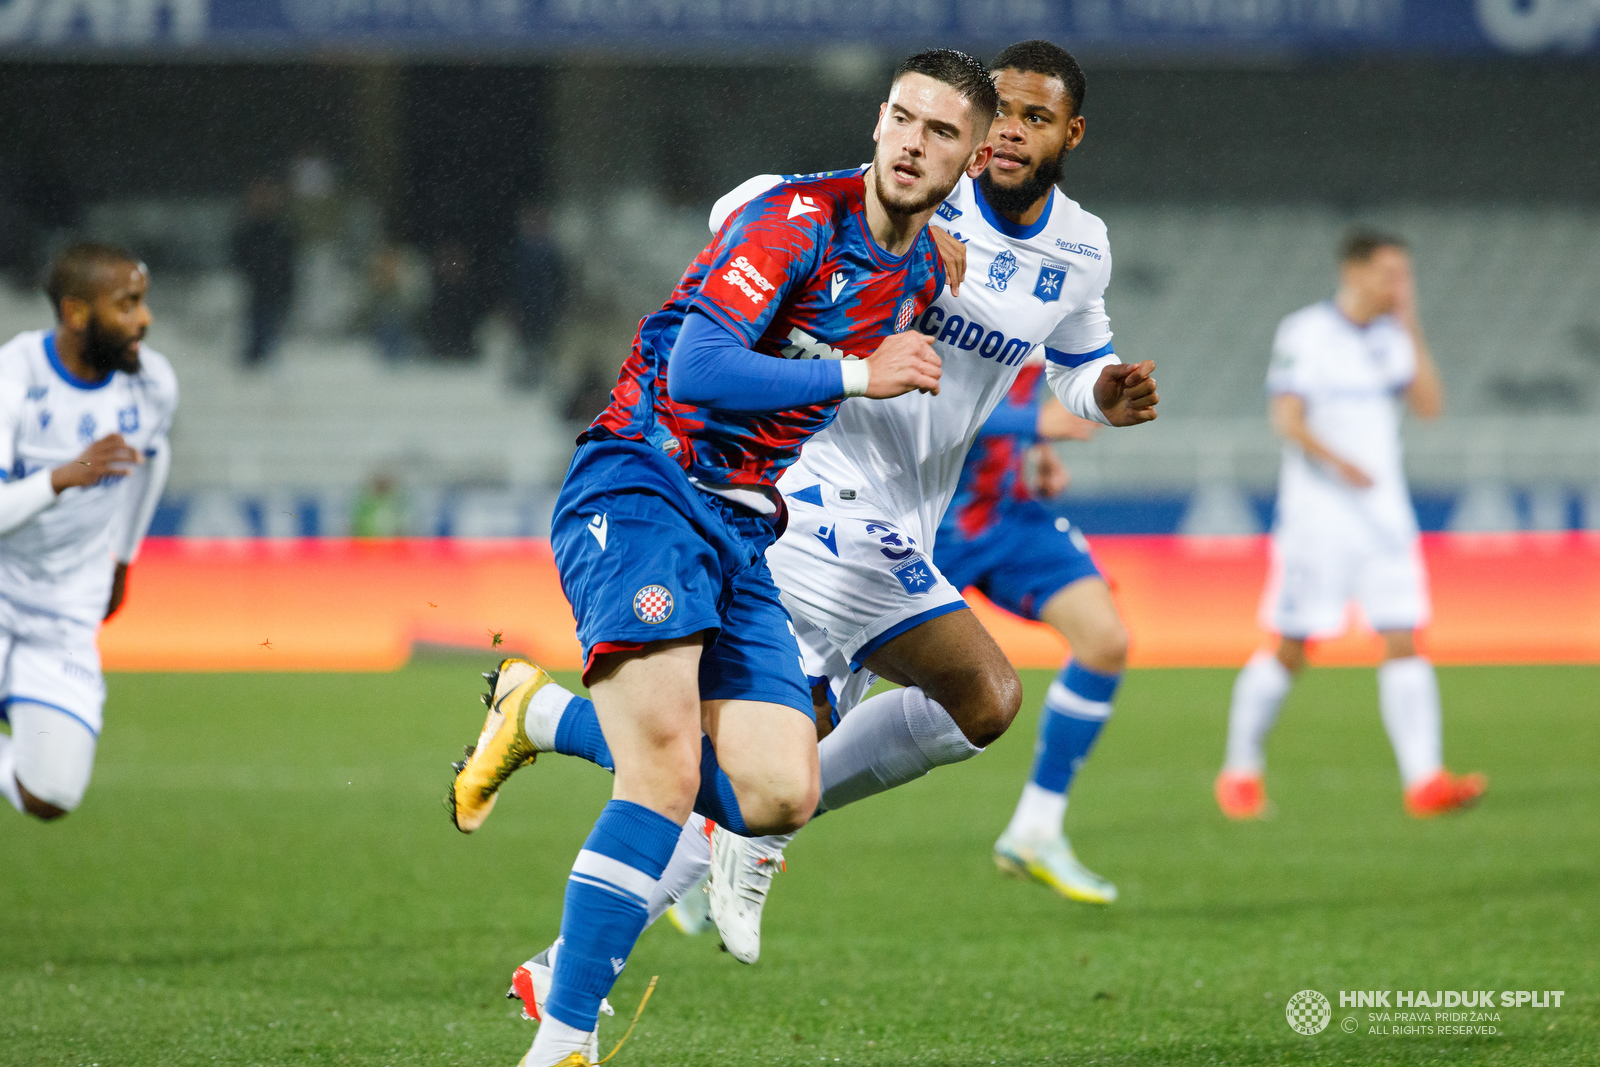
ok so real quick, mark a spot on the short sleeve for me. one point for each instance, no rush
(1084, 335)
(1290, 369)
(766, 248)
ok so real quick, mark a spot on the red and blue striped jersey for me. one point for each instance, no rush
(795, 274)
(992, 475)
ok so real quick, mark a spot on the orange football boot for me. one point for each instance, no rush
(1241, 796)
(1444, 792)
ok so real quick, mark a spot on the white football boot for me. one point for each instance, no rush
(692, 912)
(1050, 860)
(531, 985)
(741, 875)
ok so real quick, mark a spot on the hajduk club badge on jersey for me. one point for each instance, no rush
(907, 312)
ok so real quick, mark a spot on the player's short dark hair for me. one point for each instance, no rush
(1362, 243)
(1051, 60)
(76, 269)
(962, 73)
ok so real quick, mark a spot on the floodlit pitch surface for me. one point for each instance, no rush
(263, 874)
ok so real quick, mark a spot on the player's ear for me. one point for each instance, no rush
(882, 109)
(1075, 127)
(980, 159)
(75, 313)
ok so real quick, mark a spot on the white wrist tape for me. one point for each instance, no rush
(856, 375)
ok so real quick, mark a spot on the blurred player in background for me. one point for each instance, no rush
(670, 505)
(998, 538)
(84, 414)
(1345, 528)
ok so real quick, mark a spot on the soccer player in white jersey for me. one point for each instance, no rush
(854, 567)
(1341, 371)
(84, 414)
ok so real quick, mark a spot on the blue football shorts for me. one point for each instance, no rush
(644, 556)
(1028, 557)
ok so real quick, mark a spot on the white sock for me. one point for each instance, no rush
(1258, 693)
(544, 715)
(1039, 813)
(8, 772)
(555, 1041)
(888, 740)
(1408, 696)
(690, 862)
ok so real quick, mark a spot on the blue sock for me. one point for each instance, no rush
(1076, 707)
(716, 800)
(605, 909)
(579, 734)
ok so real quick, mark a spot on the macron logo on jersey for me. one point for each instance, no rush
(597, 526)
(836, 285)
(802, 205)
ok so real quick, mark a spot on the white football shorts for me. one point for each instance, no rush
(852, 580)
(52, 691)
(1313, 582)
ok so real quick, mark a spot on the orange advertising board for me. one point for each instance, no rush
(349, 605)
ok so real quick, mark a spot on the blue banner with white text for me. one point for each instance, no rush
(1518, 27)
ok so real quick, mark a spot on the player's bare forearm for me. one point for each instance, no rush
(1288, 414)
(954, 254)
(1056, 423)
(1425, 394)
(1126, 393)
(1051, 476)
(119, 589)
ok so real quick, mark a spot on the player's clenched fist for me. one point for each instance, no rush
(904, 362)
(1127, 393)
(109, 457)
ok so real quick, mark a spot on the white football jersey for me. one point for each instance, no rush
(1025, 287)
(1352, 379)
(60, 561)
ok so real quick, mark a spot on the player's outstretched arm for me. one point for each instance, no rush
(1288, 414)
(711, 367)
(1126, 393)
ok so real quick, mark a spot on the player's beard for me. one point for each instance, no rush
(106, 352)
(1019, 198)
(900, 203)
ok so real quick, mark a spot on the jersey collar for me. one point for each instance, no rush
(66, 375)
(1005, 225)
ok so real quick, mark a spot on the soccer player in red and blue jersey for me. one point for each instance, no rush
(806, 296)
(998, 538)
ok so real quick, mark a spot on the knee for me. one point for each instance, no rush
(42, 810)
(780, 807)
(983, 704)
(1105, 650)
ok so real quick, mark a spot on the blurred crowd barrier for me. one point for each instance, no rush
(342, 604)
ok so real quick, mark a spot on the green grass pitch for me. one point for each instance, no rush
(262, 873)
